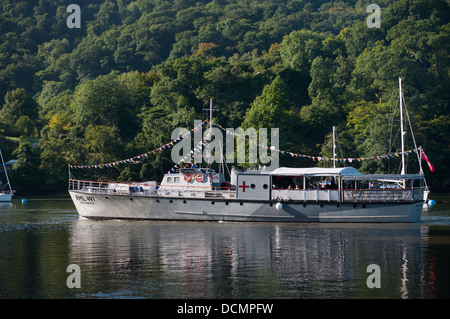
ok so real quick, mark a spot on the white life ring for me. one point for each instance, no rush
(187, 177)
(200, 177)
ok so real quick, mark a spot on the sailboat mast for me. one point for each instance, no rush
(334, 147)
(402, 133)
(6, 173)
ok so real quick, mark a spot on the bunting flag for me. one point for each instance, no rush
(326, 159)
(191, 154)
(204, 143)
(425, 157)
(145, 155)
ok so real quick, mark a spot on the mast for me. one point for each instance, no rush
(334, 147)
(402, 133)
(6, 173)
(208, 136)
(210, 114)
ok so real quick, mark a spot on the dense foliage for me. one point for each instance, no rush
(137, 69)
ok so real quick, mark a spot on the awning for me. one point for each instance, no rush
(315, 171)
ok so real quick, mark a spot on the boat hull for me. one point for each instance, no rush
(91, 205)
(5, 197)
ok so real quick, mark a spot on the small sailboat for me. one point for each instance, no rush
(6, 191)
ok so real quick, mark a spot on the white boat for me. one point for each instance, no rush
(6, 191)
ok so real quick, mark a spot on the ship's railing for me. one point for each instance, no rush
(125, 188)
(378, 195)
(150, 189)
(349, 195)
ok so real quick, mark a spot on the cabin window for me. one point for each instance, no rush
(287, 182)
(176, 179)
(169, 179)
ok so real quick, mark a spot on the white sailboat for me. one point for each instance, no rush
(6, 191)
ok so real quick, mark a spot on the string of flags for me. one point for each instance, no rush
(145, 155)
(203, 142)
(320, 158)
(191, 154)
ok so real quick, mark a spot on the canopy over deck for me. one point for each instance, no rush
(315, 171)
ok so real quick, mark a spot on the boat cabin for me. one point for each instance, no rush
(309, 184)
(325, 184)
(190, 182)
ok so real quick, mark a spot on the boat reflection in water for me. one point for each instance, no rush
(156, 259)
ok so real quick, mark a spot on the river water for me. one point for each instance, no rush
(196, 260)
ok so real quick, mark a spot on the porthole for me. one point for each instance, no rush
(321, 205)
(212, 203)
(241, 203)
(184, 202)
(157, 200)
(252, 186)
(271, 204)
(338, 205)
(171, 201)
(226, 203)
(265, 186)
(131, 199)
(106, 197)
(304, 204)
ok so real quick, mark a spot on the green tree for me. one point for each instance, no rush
(275, 109)
(271, 107)
(103, 144)
(299, 48)
(26, 169)
(18, 103)
(105, 101)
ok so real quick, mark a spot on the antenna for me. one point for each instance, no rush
(208, 137)
(210, 112)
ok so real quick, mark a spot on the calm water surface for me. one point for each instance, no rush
(147, 259)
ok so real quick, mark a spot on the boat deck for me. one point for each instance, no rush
(151, 189)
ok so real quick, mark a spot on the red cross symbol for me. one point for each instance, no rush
(243, 186)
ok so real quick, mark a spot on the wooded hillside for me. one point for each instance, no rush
(136, 69)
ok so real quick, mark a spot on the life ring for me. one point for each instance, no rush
(187, 177)
(200, 178)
